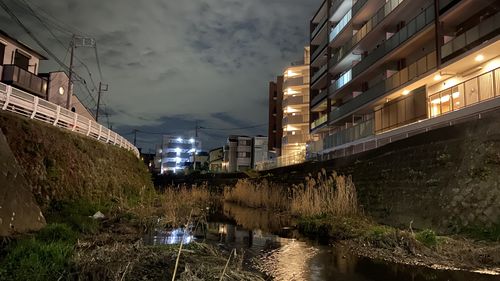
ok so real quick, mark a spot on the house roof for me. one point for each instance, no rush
(32, 51)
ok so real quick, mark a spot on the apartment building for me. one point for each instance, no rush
(295, 107)
(275, 130)
(237, 154)
(260, 151)
(383, 70)
(176, 153)
(215, 159)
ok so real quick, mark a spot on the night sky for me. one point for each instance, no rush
(169, 63)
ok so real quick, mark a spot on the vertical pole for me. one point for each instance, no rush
(195, 139)
(437, 33)
(98, 102)
(70, 74)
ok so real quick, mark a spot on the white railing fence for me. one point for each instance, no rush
(20, 102)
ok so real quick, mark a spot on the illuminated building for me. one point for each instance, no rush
(176, 153)
(385, 70)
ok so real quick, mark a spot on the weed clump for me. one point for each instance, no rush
(427, 237)
(57, 232)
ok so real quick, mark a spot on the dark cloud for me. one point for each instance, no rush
(169, 63)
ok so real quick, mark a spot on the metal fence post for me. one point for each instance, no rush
(99, 135)
(90, 127)
(35, 108)
(75, 121)
(58, 111)
(7, 99)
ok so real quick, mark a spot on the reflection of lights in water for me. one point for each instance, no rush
(173, 237)
(289, 262)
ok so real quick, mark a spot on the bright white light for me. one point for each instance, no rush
(192, 150)
(437, 77)
(177, 160)
(178, 150)
(479, 58)
(191, 140)
(61, 90)
(445, 98)
(455, 95)
(406, 92)
(179, 139)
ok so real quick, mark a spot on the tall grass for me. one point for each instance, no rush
(331, 195)
(325, 195)
(254, 194)
(178, 202)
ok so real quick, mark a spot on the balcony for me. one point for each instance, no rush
(320, 26)
(340, 26)
(485, 30)
(319, 73)
(357, 6)
(297, 100)
(319, 50)
(350, 134)
(343, 79)
(417, 24)
(319, 97)
(413, 72)
(297, 119)
(294, 139)
(25, 80)
(318, 122)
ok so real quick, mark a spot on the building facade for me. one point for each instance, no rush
(275, 130)
(260, 150)
(215, 159)
(295, 109)
(382, 70)
(237, 154)
(176, 153)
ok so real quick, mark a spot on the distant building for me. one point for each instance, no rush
(215, 159)
(19, 66)
(176, 153)
(260, 151)
(237, 154)
(275, 129)
(295, 108)
(201, 160)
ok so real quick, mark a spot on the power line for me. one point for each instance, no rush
(234, 129)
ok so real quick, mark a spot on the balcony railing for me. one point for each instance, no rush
(357, 6)
(319, 50)
(478, 89)
(340, 25)
(318, 122)
(319, 97)
(320, 26)
(382, 13)
(319, 73)
(472, 37)
(297, 100)
(291, 82)
(297, 119)
(294, 139)
(347, 135)
(343, 79)
(13, 74)
(418, 23)
(404, 76)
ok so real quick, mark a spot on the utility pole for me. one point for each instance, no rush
(102, 88)
(195, 139)
(135, 137)
(70, 74)
(76, 41)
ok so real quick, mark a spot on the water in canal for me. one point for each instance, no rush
(278, 252)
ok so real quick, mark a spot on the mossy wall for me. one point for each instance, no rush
(62, 165)
(447, 179)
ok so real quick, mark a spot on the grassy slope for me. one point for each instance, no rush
(61, 165)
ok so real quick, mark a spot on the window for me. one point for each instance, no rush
(2, 53)
(21, 60)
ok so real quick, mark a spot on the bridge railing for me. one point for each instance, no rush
(20, 102)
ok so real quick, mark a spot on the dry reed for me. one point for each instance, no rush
(257, 195)
(332, 195)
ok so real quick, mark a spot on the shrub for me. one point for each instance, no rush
(76, 214)
(57, 232)
(35, 260)
(427, 237)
